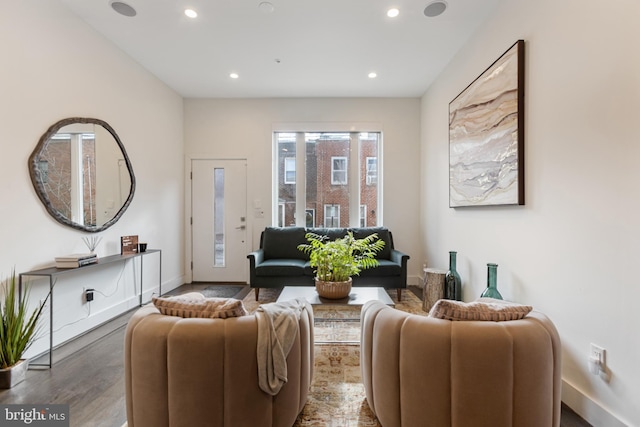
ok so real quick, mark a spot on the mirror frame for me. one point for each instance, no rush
(39, 187)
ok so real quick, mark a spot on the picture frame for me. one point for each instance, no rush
(486, 136)
(128, 245)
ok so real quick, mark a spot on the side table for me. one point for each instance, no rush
(432, 288)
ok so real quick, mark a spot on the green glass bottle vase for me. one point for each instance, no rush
(492, 283)
(452, 281)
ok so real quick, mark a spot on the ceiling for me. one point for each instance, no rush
(303, 48)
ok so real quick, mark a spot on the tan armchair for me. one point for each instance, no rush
(428, 372)
(203, 372)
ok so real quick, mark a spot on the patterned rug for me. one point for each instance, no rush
(337, 396)
(222, 291)
(410, 303)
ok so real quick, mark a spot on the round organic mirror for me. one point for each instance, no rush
(82, 174)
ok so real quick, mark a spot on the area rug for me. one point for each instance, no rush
(337, 397)
(409, 303)
(222, 291)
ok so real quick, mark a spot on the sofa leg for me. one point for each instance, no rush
(399, 290)
(257, 292)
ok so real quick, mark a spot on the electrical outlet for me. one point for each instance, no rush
(88, 295)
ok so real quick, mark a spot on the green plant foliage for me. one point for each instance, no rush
(18, 328)
(337, 260)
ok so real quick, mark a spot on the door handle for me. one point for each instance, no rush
(242, 227)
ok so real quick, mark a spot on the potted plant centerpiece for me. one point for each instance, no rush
(18, 330)
(336, 261)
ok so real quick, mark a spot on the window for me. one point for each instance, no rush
(280, 214)
(43, 171)
(320, 189)
(372, 171)
(218, 218)
(363, 215)
(331, 216)
(338, 171)
(289, 170)
(310, 218)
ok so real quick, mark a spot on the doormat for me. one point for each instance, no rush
(221, 291)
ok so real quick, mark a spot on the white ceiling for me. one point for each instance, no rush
(326, 48)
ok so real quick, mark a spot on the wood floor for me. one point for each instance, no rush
(88, 375)
(90, 381)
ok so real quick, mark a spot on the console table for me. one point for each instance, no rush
(54, 272)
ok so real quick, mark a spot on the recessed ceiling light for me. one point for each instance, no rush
(392, 13)
(266, 7)
(435, 8)
(191, 13)
(234, 75)
(373, 75)
(123, 9)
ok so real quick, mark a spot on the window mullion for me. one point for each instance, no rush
(301, 184)
(354, 179)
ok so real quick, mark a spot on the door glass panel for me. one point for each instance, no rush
(218, 217)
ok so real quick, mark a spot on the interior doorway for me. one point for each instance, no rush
(219, 220)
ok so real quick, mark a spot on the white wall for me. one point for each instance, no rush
(571, 250)
(242, 128)
(54, 66)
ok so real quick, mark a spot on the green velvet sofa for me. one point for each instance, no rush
(279, 263)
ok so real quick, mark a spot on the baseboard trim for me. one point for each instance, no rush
(414, 281)
(592, 412)
(172, 284)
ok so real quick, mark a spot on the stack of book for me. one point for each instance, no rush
(75, 260)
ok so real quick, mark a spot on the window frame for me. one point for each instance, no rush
(281, 215)
(312, 171)
(288, 162)
(371, 178)
(313, 217)
(344, 171)
(331, 206)
(363, 216)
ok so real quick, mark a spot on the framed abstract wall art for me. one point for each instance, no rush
(486, 136)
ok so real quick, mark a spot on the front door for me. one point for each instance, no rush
(219, 220)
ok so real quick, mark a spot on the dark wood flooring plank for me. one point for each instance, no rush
(91, 380)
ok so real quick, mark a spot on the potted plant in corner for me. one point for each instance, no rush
(18, 329)
(336, 261)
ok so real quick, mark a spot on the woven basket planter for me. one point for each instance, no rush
(333, 290)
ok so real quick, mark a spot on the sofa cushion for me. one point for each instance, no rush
(332, 233)
(282, 242)
(478, 310)
(194, 304)
(385, 268)
(383, 234)
(308, 270)
(281, 267)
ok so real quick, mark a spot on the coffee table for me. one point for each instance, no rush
(357, 296)
(336, 321)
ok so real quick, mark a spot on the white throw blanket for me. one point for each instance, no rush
(278, 325)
